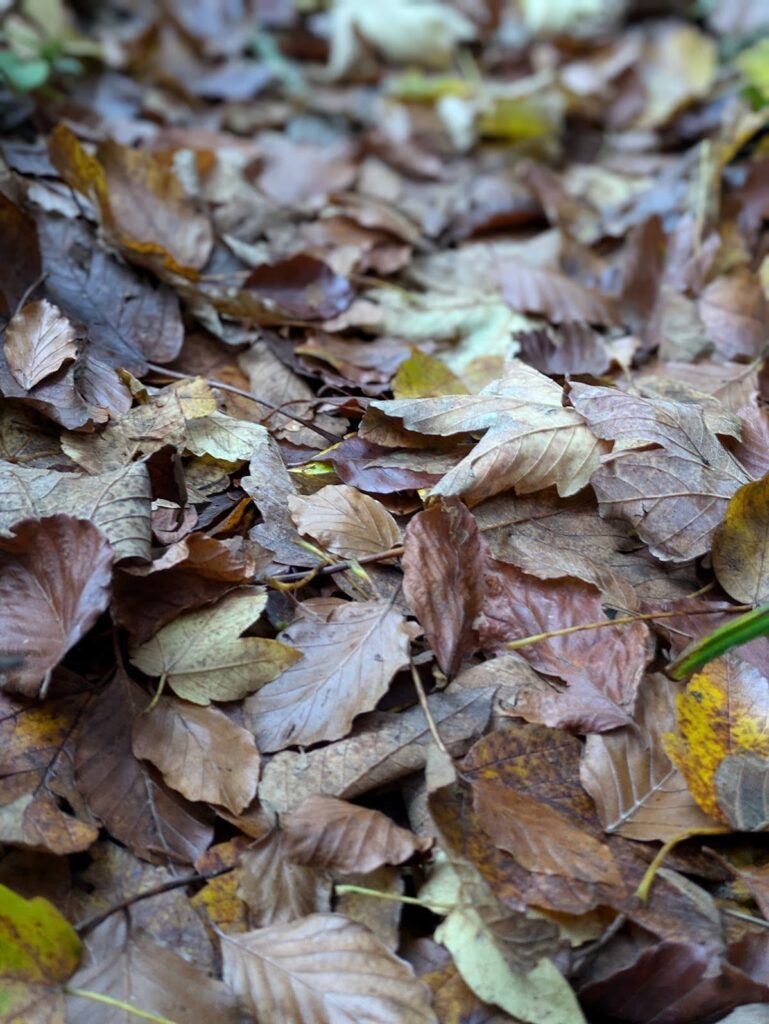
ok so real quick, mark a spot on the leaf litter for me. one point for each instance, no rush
(383, 424)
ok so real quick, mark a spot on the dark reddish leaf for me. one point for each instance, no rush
(443, 566)
(54, 584)
(302, 287)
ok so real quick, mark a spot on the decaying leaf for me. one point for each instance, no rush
(204, 657)
(39, 951)
(741, 545)
(37, 341)
(320, 969)
(443, 564)
(200, 753)
(334, 835)
(275, 889)
(723, 712)
(349, 654)
(345, 521)
(54, 584)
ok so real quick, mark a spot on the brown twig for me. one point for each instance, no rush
(231, 389)
(327, 570)
(428, 713)
(158, 890)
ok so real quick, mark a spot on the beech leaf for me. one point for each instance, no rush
(322, 969)
(204, 656)
(54, 583)
(37, 341)
(345, 521)
(350, 654)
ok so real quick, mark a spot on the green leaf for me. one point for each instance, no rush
(23, 75)
(742, 630)
(39, 950)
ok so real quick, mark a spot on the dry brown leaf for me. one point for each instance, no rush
(320, 970)
(606, 665)
(152, 979)
(531, 440)
(552, 295)
(37, 341)
(539, 837)
(345, 521)
(36, 772)
(736, 314)
(638, 792)
(383, 748)
(133, 804)
(548, 537)
(752, 449)
(200, 753)
(192, 572)
(334, 835)
(54, 584)
(443, 564)
(674, 497)
(350, 653)
(276, 890)
(118, 503)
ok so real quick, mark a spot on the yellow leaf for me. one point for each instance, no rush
(724, 711)
(424, 376)
(741, 544)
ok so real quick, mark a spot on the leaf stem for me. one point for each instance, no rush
(642, 892)
(411, 901)
(622, 620)
(327, 570)
(117, 1004)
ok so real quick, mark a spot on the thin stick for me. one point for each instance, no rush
(428, 713)
(158, 890)
(118, 1004)
(623, 620)
(327, 570)
(175, 375)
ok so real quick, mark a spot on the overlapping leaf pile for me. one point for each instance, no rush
(343, 345)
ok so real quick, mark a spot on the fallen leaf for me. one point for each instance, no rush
(301, 287)
(531, 440)
(722, 712)
(117, 503)
(350, 653)
(204, 657)
(37, 341)
(382, 748)
(142, 203)
(741, 545)
(443, 564)
(152, 979)
(224, 437)
(192, 572)
(742, 790)
(333, 835)
(735, 313)
(130, 321)
(501, 955)
(552, 295)
(200, 753)
(39, 951)
(275, 889)
(638, 792)
(678, 67)
(540, 838)
(345, 521)
(607, 665)
(424, 376)
(21, 269)
(320, 969)
(54, 584)
(39, 806)
(136, 807)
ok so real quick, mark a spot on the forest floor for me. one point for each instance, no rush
(382, 415)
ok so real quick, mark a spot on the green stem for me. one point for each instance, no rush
(117, 1004)
(412, 901)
